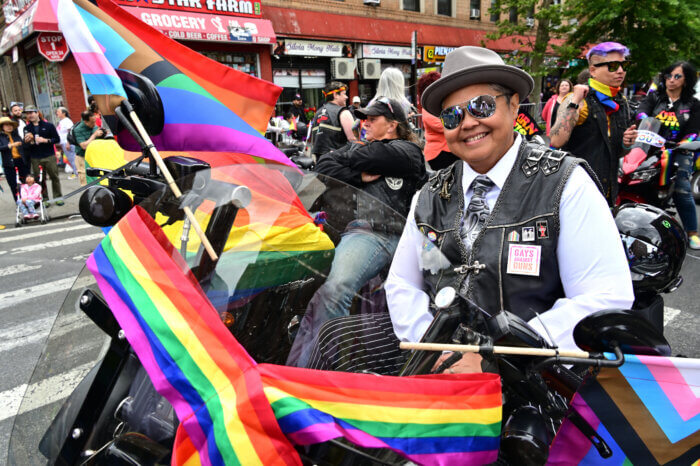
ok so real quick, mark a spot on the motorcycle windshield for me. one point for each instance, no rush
(290, 244)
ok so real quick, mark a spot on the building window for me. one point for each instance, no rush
(513, 15)
(444, 7)
(494, 16)
(411, 5)
(475, 10)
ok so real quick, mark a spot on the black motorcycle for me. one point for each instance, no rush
(274, 229)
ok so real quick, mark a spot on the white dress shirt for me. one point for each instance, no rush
(592, 265)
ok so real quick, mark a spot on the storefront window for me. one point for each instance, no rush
(311, 82)
(246, 62)
(47, 87)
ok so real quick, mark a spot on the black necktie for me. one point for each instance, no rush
(477, 210)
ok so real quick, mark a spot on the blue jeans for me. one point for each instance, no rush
(360, 255)
(682, 194)
(26, 207)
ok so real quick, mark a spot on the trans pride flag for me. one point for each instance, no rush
(211, 111)
(647, 411)
(234, 411)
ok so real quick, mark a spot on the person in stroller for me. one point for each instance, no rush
(30, 196)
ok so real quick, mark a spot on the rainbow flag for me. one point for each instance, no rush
(234, 411)
(209, 107)
(430, 420)
(647, 411)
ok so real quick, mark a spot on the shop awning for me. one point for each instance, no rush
(186, 25)
(39, 17)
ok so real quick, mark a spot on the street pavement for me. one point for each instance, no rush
(38, 267)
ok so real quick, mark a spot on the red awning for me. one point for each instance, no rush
(39, 17)
(187, 25)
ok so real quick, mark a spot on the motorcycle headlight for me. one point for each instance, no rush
(644, 175)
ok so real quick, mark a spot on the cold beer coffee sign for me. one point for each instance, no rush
(52, 46)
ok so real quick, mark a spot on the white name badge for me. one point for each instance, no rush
(524, 259)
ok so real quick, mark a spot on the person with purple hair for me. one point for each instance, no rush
(594, 122)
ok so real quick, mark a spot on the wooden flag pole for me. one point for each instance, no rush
(171, 183)
(545, 352)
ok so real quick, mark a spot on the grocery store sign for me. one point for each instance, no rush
(223, 7)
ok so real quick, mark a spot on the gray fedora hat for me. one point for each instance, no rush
(474, 65)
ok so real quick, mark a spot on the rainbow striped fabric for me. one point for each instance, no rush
(430, 420)
(234, 411)
(647, 411)
(209, 107)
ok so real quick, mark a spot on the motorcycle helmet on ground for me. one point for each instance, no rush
(655, 245)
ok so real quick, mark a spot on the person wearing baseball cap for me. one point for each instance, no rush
(297, 109)
(389, 168)
(356, 102)
(524, 228)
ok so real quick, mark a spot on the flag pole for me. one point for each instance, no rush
(169, 179)
(544, 352)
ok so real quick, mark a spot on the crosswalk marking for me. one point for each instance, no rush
(34, 331)
(13, 298)
(41, 393)
(20, 230)
(670, 314)
(14, 269)
(56, 244)
(44, 232)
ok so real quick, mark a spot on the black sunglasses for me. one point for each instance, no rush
(614, 65)
(676, 76)
(482, 106)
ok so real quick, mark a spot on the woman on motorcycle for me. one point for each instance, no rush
(679, 112)
(390, 168)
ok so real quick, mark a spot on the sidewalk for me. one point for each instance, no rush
(8, 206)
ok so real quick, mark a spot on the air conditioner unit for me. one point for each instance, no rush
(370, 68)
(530, 22)
(475, 13)
(343, 68)
(371, 2)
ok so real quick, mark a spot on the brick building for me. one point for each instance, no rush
(298, 44)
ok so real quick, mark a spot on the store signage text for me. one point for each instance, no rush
(206, 27)
(386, 51)
(52, 46)
(311, 48)
(224, 7)
(434, 53)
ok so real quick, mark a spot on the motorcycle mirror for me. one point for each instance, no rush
(103, 206)
(633, 334)
(145, 99)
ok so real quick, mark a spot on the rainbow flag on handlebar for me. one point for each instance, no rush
(210, 109)
(647, 411)
(234, 411)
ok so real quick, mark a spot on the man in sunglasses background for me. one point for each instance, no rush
(524, 228)
(333, 122)
(594, 122)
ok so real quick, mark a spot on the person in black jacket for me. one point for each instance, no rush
(389, 168)
(679, 112)
(12, 154)
(39, 139)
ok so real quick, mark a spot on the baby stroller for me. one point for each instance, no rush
(42, 215)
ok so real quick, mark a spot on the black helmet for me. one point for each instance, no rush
(655, 245)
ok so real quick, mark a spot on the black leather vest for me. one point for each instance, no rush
(590, 141)
(524, 220)
(327, 132)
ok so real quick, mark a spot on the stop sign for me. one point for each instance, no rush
(52, 46)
